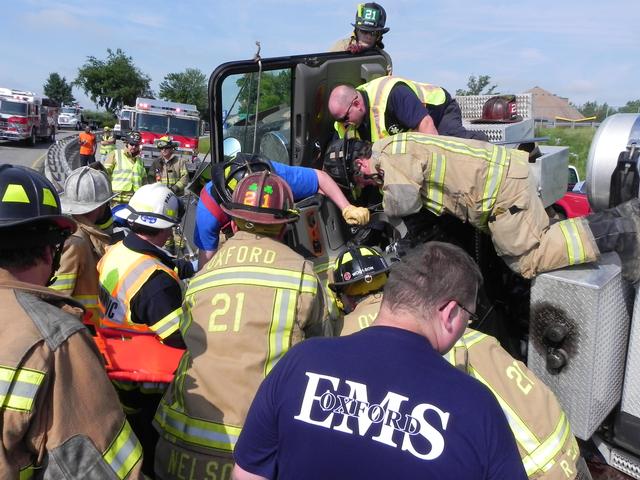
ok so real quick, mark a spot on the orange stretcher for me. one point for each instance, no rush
(136, 357)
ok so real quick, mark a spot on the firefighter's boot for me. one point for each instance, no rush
(621, 235)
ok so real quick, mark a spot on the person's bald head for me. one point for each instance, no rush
(346, 105)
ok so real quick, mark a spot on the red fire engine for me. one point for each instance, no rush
(157, 118)
(26, 116)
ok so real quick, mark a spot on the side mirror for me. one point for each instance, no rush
(231, 147)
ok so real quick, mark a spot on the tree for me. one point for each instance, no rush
(275, 90)
(594, 109)
(476, 86)
(189, 87)
(113, 82)
(58, 90)
(632, 106)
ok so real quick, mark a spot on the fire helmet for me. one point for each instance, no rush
(262, 198)
(134, 138)
(85, 189)
(371, 17)
(30, 212)
(152, 206)
(166, 142)
(227, 175)
(339, 159)
(499, 109)
(359, 264)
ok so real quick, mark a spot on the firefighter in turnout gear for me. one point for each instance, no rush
(126, 169)
(255, 296)
(390, 105)
(86, 197)
(547, 447)
(107, 144)
(53, 379)
(360, 274)
(141, 293)
(489, 187)
(170, 169)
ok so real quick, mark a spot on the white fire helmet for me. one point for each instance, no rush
(153, 206)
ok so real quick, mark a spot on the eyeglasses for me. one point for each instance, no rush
(345, 117)
(473, 317)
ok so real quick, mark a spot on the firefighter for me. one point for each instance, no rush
(87, 142)
(253, 300)
(490, 187)
(53, 380)
(389, 105)
(141, 293)
(86, 197)
(107, 144)
(170, 169)
(360, 274)
(303, 182)
(126, 169)
(546, 445)
(368, 29)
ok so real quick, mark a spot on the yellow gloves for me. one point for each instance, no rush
(355, 215)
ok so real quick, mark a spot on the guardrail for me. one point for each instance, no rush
(62, 157)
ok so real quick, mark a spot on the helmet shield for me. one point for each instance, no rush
(134, 138)
(358, 264)
(262, 198)
(371, 17)
(499, 109)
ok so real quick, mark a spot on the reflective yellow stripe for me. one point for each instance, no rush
(435, 184)
(48, 198)
(169, 324)
(18, 388)
(471, 337)
(26, 473)
(15, 194)
(399, 145)
(282, 319)
(575, 248)
(196, 431)
(525, 437)
(65, 281)
(88, 301)
(124, 452)
(543, 457)
(256, 276)
(495, 172)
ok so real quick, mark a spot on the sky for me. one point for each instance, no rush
(579, 49)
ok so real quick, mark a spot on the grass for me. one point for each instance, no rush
(203, 144)
(577, 139)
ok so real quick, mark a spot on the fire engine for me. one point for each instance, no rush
(577, 328)
(157, 118)
(26, 116)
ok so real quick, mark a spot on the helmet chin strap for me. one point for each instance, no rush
(55, 264)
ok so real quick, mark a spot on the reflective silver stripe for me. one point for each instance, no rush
(169, 323)
(18, 388)
(65, 282)
(435, 184)
(575, 248)
(495, 172)
(124, 452)
(284, 312)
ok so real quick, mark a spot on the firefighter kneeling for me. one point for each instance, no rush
(547, 447)
(248, 305)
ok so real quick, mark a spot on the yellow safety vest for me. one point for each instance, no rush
(106, 149)
(128, 175)
(122, 273)
(544, 443)
(378, 91)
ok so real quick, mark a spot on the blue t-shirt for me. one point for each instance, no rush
(378, 404)
(302, 180)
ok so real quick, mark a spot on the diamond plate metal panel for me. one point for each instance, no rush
(471, 105)
(626, 463)
(631, 391)
(503, 132)
(593, 305)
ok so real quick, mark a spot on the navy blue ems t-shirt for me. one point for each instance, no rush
(378, 404)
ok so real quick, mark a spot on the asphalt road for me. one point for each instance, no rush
(20, 154)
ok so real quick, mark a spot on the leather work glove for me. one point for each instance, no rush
(355, 215)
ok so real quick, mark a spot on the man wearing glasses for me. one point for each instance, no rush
(126, 169)
(389, 105)
(382, 402)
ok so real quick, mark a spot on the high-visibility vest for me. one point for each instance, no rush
(122, 273)
(107, 149)
(378, 91)
(89, 140)
(547, 447)
(128, 175)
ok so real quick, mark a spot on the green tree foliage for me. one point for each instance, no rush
(113, 82)
(594, 109)
(632, 106)
(577, 139)
(102, 119)
(275, 90)
(189, 87)
(57, 89)
(478, 86)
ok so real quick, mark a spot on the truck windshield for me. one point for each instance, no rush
(187, 127)
(13, 108)
(125, 114)
(146, 122)
(68, 110)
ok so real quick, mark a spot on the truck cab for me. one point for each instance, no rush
(71, 116)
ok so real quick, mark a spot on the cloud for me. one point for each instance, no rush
(532, 55)
(49, 18)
